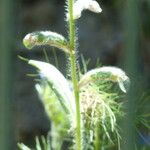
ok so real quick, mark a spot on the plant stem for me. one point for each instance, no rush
(76, 93)
(74, 73)
(97, 142)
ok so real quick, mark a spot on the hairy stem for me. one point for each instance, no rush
(76, 93)
(74, 73)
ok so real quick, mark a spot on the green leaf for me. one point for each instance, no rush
(58, 82)
(101, 101)
(109, 74)
(23, 147)
(46, 38)
(38, 146)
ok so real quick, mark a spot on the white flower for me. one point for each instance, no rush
(93, 6)
(81, 5)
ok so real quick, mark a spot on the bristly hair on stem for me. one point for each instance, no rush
(72, 43)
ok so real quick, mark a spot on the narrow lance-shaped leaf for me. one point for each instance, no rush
(58, 82)
(114, 74)
(46, 38)
(23, 147)
(38, 145)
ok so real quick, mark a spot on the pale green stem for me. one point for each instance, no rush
(97, 139)
(46, 56)
(74, 73)
(76, 93)
(55, 58)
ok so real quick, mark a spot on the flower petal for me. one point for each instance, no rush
(81, 5)
(94, 6)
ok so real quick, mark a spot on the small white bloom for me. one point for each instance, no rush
(81, 5)
(94, 6)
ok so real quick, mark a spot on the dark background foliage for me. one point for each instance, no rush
(101, 36)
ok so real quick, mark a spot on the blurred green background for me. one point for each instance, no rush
(119, 36)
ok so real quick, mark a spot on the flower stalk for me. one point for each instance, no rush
(74, 75)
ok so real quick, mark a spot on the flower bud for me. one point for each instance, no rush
(46, 38)
(114, 74)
